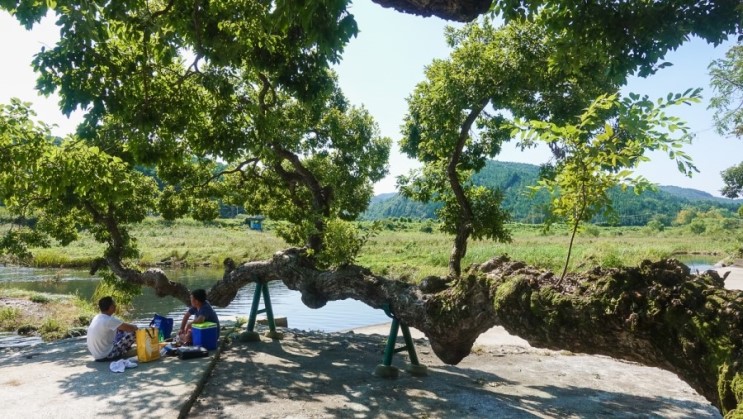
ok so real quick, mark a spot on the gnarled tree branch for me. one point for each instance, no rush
(459, 10)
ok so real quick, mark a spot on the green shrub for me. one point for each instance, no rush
(343, 242)
(9, 318)
(697, 227)
(27, 330)
(729, 224)
(52, 329)
(685, 216)
(612, 260)
(655, 225)
(240, 321)
(83, 320)
(40, 298)
(591, 230)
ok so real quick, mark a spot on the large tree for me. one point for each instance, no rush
(187, 86)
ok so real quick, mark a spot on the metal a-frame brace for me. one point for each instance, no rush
(385, 369)
(261, 288)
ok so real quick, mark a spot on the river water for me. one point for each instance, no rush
(698, 263)
(335, 316)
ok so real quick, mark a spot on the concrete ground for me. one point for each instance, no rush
(61, 380)
(734, 280)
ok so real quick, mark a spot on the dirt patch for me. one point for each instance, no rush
(310, 374)
(27, 308)
(51, 317)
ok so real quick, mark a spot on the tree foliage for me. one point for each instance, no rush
(67, 186)
(726, 78)
(634, 35)
(461, 114)
(733, 179)
(243, 86)
(600, 151)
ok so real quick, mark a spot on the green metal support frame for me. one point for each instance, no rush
(261, 288)
(385, 369)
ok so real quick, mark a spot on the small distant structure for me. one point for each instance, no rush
(255, 222)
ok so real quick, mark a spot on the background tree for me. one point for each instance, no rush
(460, 116)
(727, 80)
(733, 179)
(255, 93)
(598, 154)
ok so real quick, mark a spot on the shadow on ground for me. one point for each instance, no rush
(321, 375)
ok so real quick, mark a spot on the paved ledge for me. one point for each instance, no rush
(734, 281)
(61, 380)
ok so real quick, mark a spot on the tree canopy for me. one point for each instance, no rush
(727, 80)
(726, 77)
(241, 85)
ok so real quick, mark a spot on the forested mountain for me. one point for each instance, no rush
(514, 180)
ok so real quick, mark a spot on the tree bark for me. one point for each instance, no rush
(459, 10)
(464, 223)
(656, 314)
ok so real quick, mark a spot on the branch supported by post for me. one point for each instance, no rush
(385, 369)
(261, 289)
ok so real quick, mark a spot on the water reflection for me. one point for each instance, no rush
(335, 316)
(698, 263)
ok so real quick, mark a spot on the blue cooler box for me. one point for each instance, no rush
(205, 334)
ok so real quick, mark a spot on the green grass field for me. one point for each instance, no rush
(405, 250)
(420, 254)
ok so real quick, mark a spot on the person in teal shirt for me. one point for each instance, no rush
(203, 312)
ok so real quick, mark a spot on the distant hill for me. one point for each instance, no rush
(382, 197)
(693, 194)
(515, 178)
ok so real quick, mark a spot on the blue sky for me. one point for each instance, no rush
(384, 63)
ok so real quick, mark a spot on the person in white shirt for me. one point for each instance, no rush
(109, 338)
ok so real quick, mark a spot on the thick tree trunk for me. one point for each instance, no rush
(459, 250)
(656, 314)
(459, 10)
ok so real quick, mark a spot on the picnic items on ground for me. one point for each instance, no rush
(164, 325)
(148, 345)
(205, 334)
(188, 352)
(122, 364)
(169, 349)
